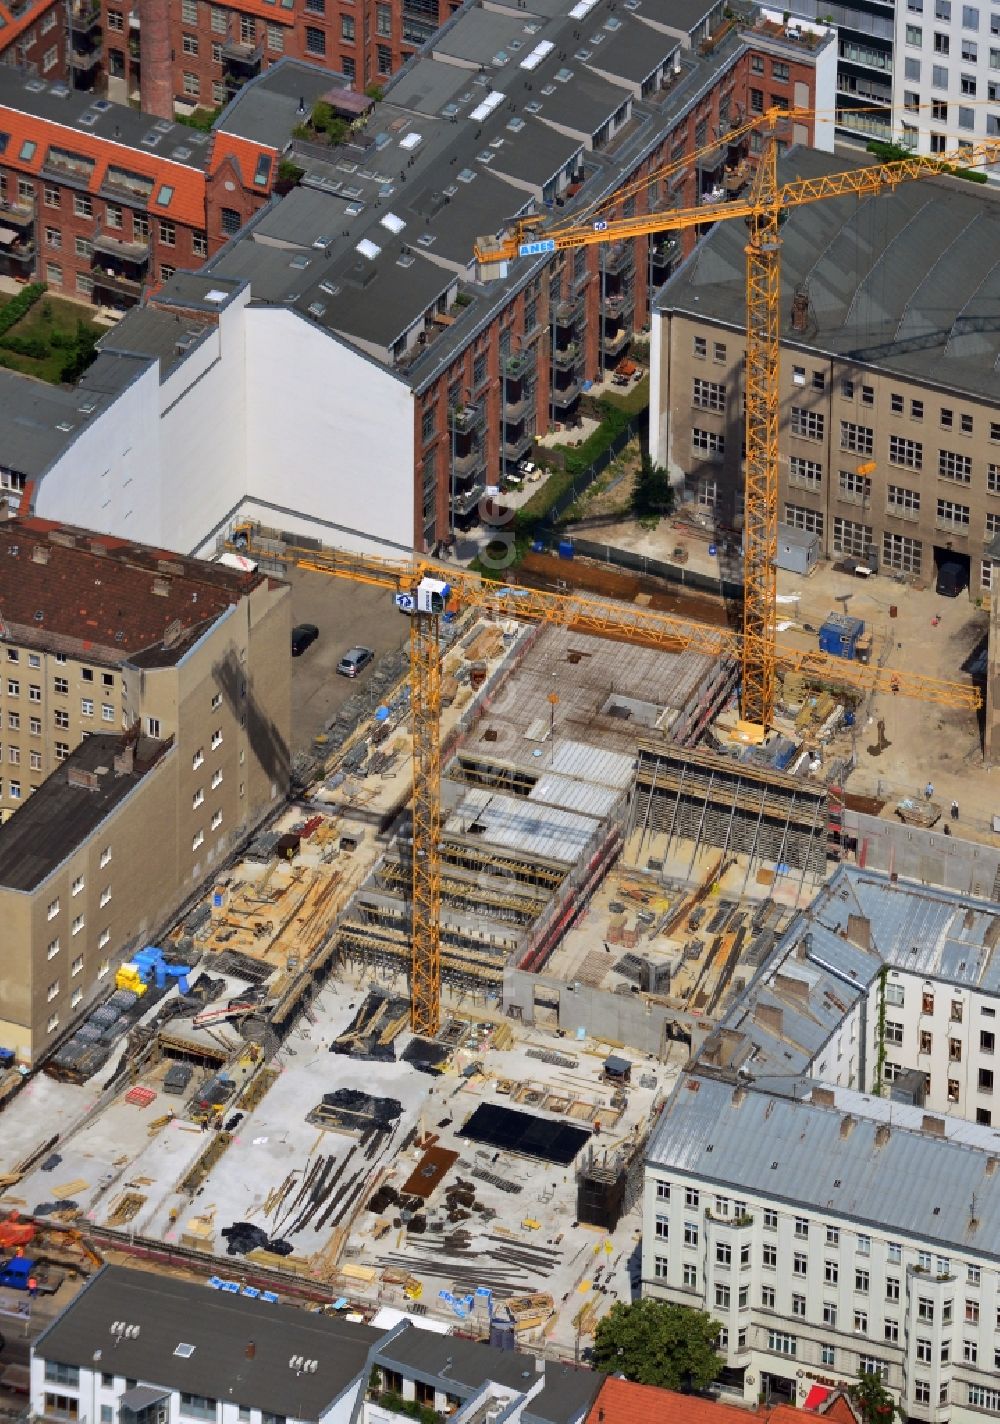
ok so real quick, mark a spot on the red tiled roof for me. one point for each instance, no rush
(244, 154)
(621, 1402)
(121, 598)
(187, 205)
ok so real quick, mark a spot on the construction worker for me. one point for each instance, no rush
(894, 683)
(928, 791)
(32, 1287)
(954, 810)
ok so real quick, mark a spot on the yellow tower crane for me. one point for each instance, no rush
(763, 210)
(425, 590)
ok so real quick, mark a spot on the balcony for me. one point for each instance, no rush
(243, 59)
(472, 462)
(20, 215)
(567, 313)
(565, 356)
(564, 396)
(17, 254)
(516, 409)
(464, 502)
(615, 341)
(84, 17)
(518, 444)
(136, 253)
(615, 303)
(517, 364)
(619, 257)
(85, 54)
(120, 287)
(466, 418)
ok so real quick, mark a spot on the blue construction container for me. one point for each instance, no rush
(839, 635)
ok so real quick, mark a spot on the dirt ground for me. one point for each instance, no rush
(944, 637)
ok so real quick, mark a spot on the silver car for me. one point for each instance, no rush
(354, 661)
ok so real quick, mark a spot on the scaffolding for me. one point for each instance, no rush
(709, 800)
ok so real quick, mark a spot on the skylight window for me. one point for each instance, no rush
(164, 196)
(263, 171)
(392, 222)
(534, 59)
(368, 249)
(410, 140)
(27, 150)
(184, 1350)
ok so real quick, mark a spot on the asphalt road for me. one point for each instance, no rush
(346, 614)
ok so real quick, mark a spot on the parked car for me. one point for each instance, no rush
(303, 636)
(354, 661)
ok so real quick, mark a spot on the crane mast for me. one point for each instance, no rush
(760, 517)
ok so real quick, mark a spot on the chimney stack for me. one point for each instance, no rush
(251, 1349)
(800, 310)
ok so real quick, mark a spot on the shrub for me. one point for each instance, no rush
(20, 305)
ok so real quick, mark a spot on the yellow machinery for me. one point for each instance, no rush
(424, 590)
(762, 210)
(129, 977)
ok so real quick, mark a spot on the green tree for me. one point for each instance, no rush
(875, 1404)
(652, 494)
(654, 1342)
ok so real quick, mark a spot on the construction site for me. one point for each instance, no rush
(252, 1104)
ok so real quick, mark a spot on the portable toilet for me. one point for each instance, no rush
(798, 550)
(840, 634)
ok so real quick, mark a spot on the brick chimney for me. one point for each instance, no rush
(156, 90)
(800, 309)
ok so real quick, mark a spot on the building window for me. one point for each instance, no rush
(909, 453)
(77, 887)
(851, 538)
(86, 706)
(168, 233)
(722, 1297)
(197, 840)
(891, 1331)
(192, 85)
(113, 216)
(708, 442)
(781, 1342)
(952, 515)
(275, 39)
(807, 474)
(315, 40)
(903, 502)
(862, 1281)
(216, 778)
(197, 1406)
(709, 395)
(954, 467)
(690, 1234)
(807, 424)
(811, 520)
(105, 896)
(153, 726)
(800, 1263)
(383, 20)
(859, 439)
(854, 487)
(770, 1257)
(901, 553)
(798, 1305)
(199, 244)
(979, 1397)
(77, 925)
(61, 751)
(216, 738)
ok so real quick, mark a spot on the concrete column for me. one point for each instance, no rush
(156, 79)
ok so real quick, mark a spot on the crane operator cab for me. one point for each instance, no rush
(430, 596)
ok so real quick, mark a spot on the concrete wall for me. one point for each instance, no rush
(266, 417)
(626, 1019)
(926, 856)
(328, 435)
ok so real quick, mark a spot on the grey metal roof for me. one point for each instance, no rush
(61, 104)
(220, 1326)
(452, 1360)
(522, 825)
(435, 105)
(906, 281)
(906, 1182)
(39, 421)
(266, 109)
(632, 52)
(154, 334)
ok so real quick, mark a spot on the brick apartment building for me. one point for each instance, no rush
(34, 34)
(196, 52)
(145, 707)
(351, 317)
(889, 434)
(101, 201)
